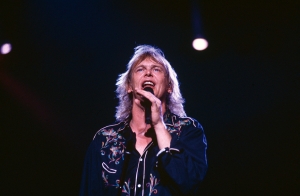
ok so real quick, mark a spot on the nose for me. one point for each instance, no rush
(148, 72)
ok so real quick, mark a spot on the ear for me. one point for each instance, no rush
(169, 88)
(128, 88)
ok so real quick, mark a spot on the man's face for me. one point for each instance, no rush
(149, 73)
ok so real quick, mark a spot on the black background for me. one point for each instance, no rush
(57, 87)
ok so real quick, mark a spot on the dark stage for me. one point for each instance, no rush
(57, 87)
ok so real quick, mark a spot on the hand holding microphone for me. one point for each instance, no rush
(147, 105)
(152, 106)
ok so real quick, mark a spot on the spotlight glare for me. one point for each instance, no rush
(6, 48)
(200, 44)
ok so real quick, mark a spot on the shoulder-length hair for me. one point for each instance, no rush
(174, 99)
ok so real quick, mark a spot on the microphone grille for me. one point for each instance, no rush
(149, 90)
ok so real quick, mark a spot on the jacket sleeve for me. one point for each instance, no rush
(185, 161)
(92, 183)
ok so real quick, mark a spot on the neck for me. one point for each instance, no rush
(137, 123)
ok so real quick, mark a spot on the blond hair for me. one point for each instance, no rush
(174, 99)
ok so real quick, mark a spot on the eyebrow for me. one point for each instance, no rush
(153, 65)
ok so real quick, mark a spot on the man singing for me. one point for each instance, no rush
(153, 148)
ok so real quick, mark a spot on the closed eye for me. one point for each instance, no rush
(156, 69)
(140, 69)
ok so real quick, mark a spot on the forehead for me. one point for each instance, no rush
(148, 62)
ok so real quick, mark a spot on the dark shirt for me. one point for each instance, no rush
(112, 159)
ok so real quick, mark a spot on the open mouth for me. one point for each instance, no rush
(148, 84)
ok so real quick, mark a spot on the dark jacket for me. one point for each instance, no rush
(112, 159)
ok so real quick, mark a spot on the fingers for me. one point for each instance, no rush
(145, 94)
(156, 105)
(154, 100)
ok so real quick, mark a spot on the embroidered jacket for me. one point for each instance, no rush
(112, 158)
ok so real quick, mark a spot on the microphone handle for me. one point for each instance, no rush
(147, 105)
(148, 114)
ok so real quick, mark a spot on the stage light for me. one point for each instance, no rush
(200, 44)
(6, 48)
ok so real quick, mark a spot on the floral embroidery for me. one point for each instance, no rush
(105, 178)
(152, 184)
(174, 123)
(111, 136)
(113, 146)
(106, 183)
(116, 154)
(126, 187)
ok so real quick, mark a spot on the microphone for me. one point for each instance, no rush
(147, 105)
